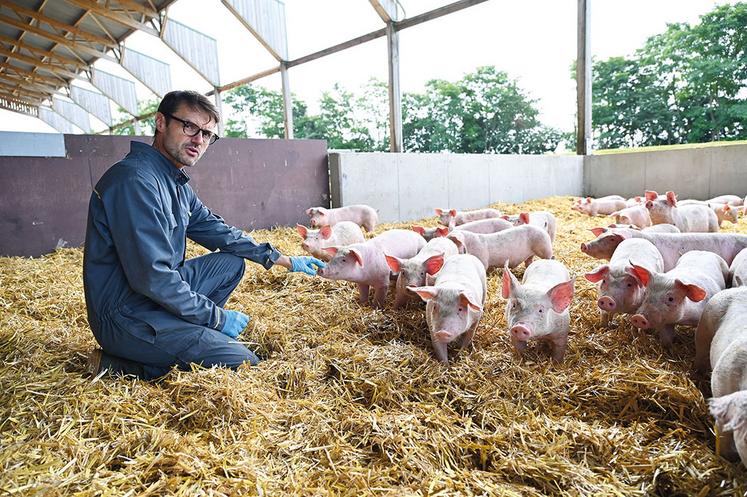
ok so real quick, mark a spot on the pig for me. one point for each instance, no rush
(633, 201)
(341, 234)
(636, 215)
(362, 215)
(452, 217)
(601, 206)
(515, 245)
(671, 245)
(430, 233)
(730, 411)
(721, 343)
(621, 291)
(454, 303)
(732, 200)
(365, 263)
(541, 219)
(688, 218)
(412, 272)
(485, 226)
(725, 212)
(738, 269)
(537, 309)
(679, 295)
(656, 228)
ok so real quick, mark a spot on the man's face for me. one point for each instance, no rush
(175, 144)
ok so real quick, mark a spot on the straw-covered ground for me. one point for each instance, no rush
(349, 400)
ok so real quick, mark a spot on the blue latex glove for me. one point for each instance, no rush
(235, 323)
(305, 264)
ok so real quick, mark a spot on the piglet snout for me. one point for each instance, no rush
(606, 303)
(584, 248)
(521, 332)
(639, 321)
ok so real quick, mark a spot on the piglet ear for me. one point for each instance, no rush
(357, 255)
(639, 272)
(325, 231)
(637, 198)
(726, 208)
(598, 273)
(504, 217)
(331, 250)
(598, 231)
(588, 200)
(434, 264)
(509, 283)
(439, 212)
(452, 213)
(393, 263)
(693, 292)
(671, 198)
(425, 292)
(418, 229)
(561, 295)
(441, 232)
(651, 195)
(524, 218)
(466, 302)
(302, 230)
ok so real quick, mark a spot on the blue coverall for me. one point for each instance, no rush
(148, 308)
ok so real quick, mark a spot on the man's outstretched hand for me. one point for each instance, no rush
(235, 323)
(305, 264)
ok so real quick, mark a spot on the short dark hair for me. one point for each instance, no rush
(192, 99)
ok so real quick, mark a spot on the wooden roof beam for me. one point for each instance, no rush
(43, 53)
(137, 7)
(95, 8)
(38, 64)
(73, 46)
(41, 18)
(23, 72)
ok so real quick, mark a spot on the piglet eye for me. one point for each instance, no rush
(540, 311)
(671, 299)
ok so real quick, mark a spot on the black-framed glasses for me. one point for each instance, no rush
(191, 129)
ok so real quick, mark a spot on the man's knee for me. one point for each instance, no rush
(233, 264)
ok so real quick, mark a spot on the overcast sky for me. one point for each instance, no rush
(534, 41)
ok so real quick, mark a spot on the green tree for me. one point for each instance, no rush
(147, 126)
(685, 85)
(484, 112)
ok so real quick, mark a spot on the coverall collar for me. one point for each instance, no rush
(143, 148)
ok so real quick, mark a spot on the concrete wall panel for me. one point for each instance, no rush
(469, 181)
(426, 181)
(423, 185)
(701, 172)
(729, 171)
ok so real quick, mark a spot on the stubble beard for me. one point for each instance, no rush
(180, 154)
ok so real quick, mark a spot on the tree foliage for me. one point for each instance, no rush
(484, 112)
(686, 85)
(147, 126)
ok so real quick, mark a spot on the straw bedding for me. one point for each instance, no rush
(349, 400)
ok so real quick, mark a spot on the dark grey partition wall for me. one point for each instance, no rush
(252, 184)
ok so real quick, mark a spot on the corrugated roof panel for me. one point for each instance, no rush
(55, 120)
(197, 49)
(267, 19)
(72, 113)
(155, 74)
(95, 103)
(121, 90)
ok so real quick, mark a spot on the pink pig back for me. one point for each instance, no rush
(362, 215)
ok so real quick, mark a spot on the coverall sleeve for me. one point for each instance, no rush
(212, 232)
(140, 227)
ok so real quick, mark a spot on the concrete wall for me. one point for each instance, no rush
(250, 183)
(701, 172)
(405, 187)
